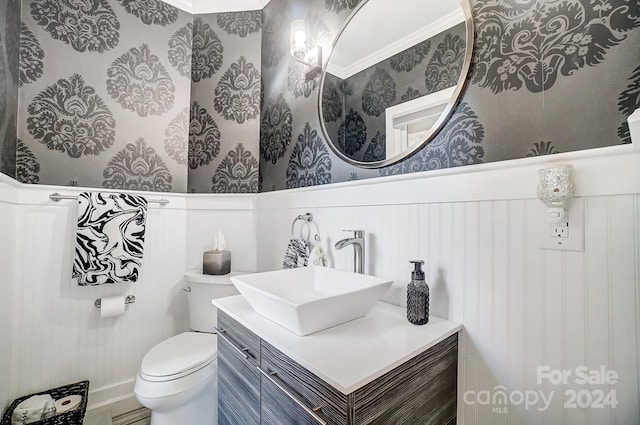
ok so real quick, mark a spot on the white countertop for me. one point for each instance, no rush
(353, 354)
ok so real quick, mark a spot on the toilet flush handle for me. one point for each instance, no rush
(187, 289)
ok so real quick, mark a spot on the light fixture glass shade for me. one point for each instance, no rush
(298, 45)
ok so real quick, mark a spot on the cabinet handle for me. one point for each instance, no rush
(310, 412)
(241, 351)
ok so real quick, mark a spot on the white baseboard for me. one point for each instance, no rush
(120, 392)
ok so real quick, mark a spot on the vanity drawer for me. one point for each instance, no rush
(239, 338)
(301, 385)
(238, 388)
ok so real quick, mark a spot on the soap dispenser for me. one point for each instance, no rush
(417, 296)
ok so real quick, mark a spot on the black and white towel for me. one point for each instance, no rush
(297, 254)
(109, 238)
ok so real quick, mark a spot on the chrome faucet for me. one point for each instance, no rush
(358, 249)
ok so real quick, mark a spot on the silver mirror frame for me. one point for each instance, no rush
(442, 120)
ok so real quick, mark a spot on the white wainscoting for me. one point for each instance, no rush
(521, 307)
(57, 335)
(7, 260)
(476, 228)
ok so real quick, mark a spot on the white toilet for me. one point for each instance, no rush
(178, 378)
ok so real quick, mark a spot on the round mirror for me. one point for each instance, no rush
(394, 75)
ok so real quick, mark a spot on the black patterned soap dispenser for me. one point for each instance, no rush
(417, 296)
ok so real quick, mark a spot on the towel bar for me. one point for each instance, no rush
(130, 299)
(307, 220)
(56, 197)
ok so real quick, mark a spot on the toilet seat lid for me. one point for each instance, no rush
(179, 355)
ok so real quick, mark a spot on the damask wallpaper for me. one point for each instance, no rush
(224, 131)
(136, 94)
(9, 54)
(353, 108)
(548, 76)
(102, 90)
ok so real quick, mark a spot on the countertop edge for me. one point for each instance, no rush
(455, 328)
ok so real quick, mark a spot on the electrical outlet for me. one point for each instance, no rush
(560, 230)
(565, 236)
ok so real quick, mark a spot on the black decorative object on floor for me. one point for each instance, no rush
(73, 417)
(418, 296)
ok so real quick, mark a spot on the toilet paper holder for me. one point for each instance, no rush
(130, 299)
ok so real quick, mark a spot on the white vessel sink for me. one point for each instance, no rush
(309, 299)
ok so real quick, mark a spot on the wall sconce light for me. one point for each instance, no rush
(555, 188)
(310, 56)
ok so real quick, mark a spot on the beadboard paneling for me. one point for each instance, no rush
(7, 243)
(58, 335)
(239, 228)
(521, 307)
(51, 332)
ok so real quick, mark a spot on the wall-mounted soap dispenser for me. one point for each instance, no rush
(417, 296)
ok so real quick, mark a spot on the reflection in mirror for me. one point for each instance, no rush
(393, 76)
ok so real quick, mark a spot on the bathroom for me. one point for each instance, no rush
(466, 204)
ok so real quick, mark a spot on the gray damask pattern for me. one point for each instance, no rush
(352, 134)
(150, 12)
(137, 167)
(8, 153)
(27, 166)
(379, 93)
(180, 50)
(70, 117)
(139, 82)
(410, 94)
(331, 102)
(297, 84)
(12, 36)
(237, 95)
(3, 85)
(542, 148)
(629, 101)
(345, 88)
(271, 49)
(459, 143)
(177, 137)
(445, 66)
(337, 6)
(206, 52)
(85, 25)
(275, 129)
(204, 137)
(241, 23)
(310, 163)
(411, 57)
(31, 56)
(377, 149)
(530, 43)
(237, 173)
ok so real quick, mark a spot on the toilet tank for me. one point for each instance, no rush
(201, 289)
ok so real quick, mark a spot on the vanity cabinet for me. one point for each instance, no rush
(238, 376)
(276, 390)
(290, 393)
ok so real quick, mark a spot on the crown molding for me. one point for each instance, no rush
(397, 46)
(201, 7)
